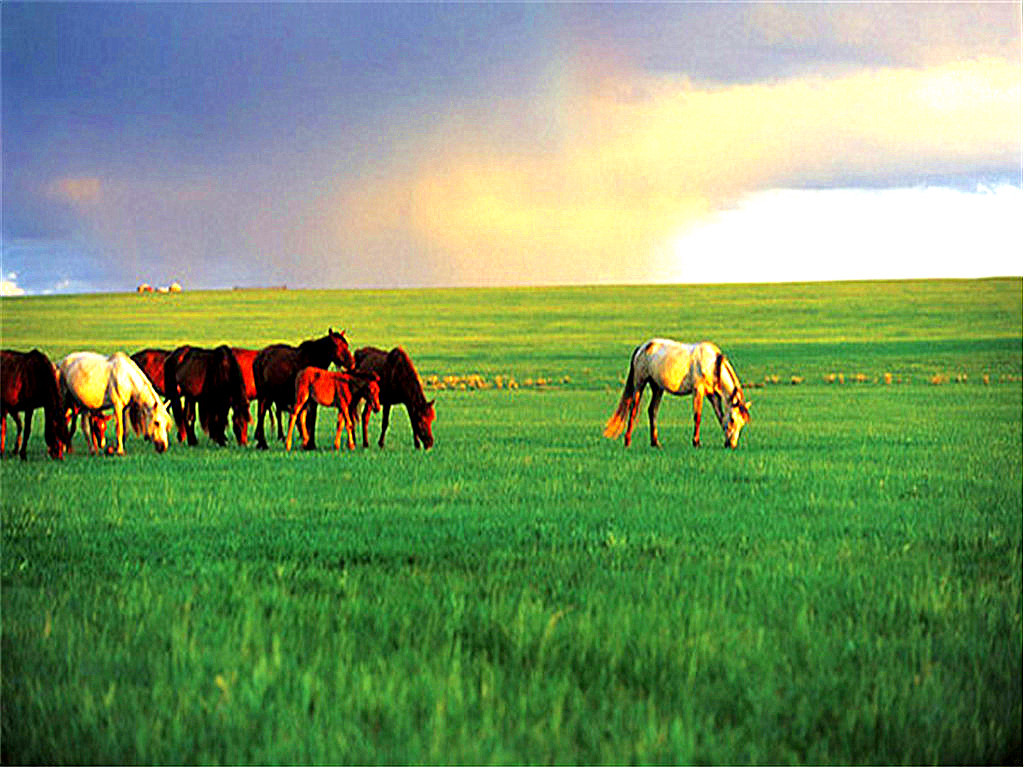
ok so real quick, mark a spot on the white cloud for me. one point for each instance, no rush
(9, 285)
(852, 234)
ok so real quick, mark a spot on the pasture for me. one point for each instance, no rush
(843, 588)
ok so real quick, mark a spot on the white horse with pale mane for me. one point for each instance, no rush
(94, 382)
(681, 369)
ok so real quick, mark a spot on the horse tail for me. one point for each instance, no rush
(617, 423)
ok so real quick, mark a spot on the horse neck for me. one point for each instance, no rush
(318, 352)
(728, 381)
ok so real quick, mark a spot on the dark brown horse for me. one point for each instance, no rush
(212, 380)
(332, 388)
(276, 367)
(28, 381)
(151, 361)
(399, 384)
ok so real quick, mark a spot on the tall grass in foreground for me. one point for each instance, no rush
(843, 589)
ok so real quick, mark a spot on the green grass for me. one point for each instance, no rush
(843, 589)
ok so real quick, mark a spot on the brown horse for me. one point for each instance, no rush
(212, 380)
(151, 361)
(96, 435)
(28, 381)
(399, 384)
(246, 358)
(276, 367)
(332, 388)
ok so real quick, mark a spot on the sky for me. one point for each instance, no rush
(348, 145)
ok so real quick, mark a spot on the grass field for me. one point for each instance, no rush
(844, 588)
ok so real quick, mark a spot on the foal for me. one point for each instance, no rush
(336, 389)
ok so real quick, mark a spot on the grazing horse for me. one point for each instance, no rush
(151, 362)
(27, 382)
(246, 358)
(274, 371)
(681, 369)
(96, 382)
(96, 432)
(212, 380)
(332, 388)
(399, 384)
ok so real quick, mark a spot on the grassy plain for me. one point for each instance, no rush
(844, 588)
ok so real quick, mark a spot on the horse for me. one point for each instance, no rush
(681, 369)
(332, 388)
(275, 368)
(246, 358)
(27, 382)
(96, 431)
(151, 362)
(212, 380)
(399, 384)
(96, 382)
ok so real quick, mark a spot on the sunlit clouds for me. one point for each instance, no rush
(644, 157)
(329, 145)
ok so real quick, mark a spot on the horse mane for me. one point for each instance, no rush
(721, 361)
(405, 378)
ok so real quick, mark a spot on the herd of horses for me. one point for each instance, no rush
(218, 385)
(215, 385)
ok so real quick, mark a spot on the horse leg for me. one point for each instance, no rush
(119, 424)
(385, 417)
(23, 450)
(365, 419)
(296, 412)
(652, 413)
(698, 405)
(633, 408)
(350, 428)
(3, 432)
(309, 433)
(261, 411)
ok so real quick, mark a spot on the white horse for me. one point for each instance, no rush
(681, 369)
(93, 382)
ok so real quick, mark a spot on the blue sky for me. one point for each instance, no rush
(394, 145)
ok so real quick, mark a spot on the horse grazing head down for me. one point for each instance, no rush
(422, 423)
(152, 421)
(738, 417)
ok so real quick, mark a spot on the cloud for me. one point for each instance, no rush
(641, 157)
(890, 34)
(9, 285)
(856, 234)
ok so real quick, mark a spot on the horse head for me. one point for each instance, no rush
(421, 425)
(738, 417)
(341, 355)
(373, 394)
(152, 421)
(240, 424)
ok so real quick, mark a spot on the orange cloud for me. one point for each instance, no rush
(641, 156)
